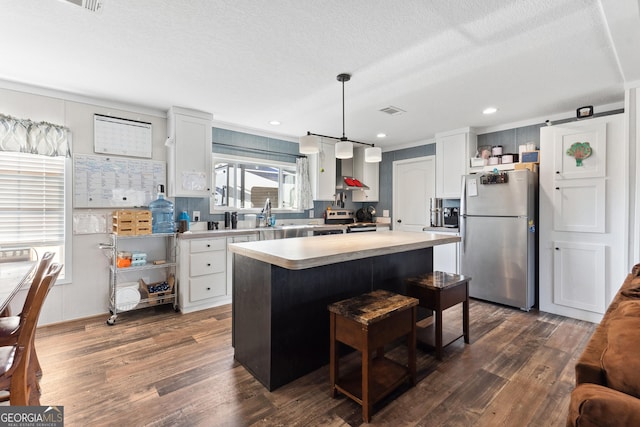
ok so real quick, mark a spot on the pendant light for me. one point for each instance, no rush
(309, 144)
(344, 146)
(372, 154)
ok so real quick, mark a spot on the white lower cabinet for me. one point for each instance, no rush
(447, 257)
(202, 273)
(205, 271)
(235, 239)
(579, 276)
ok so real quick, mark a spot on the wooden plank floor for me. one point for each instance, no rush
(161, 368)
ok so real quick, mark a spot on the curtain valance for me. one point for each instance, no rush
(27, 136)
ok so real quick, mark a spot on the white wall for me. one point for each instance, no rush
(87, 294)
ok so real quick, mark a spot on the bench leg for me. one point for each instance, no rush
(438, 334)
(465, 320)
(333, 355)
(366, 384)
(411, 345)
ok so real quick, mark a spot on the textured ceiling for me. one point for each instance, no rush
(251, 61)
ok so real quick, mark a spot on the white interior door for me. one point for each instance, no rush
(414, 183)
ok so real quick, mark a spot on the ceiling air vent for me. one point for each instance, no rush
(392, 111)
(92, 5)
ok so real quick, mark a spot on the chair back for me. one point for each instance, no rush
(43, 266)
(21, 376)
(31, 313)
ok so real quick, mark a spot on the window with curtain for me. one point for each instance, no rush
(33, 196)
(245, 184)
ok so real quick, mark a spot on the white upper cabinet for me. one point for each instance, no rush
(322, 171)
(189, 153)
(580, 152)
(453, 151)
(367, 173)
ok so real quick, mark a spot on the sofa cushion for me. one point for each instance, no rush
(620, 360)
(595, 405)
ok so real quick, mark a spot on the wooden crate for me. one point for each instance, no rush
(127, 222)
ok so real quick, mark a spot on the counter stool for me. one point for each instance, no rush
(438, 291)
(366, 323)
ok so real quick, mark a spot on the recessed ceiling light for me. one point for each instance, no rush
(274, 123)
(381, 135)
(489, 110)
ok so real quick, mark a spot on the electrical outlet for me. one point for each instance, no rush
(310, 213)
(196, 216)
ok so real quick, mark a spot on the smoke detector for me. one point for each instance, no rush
(92, 5)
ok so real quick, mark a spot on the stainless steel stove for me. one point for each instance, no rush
(347, 217)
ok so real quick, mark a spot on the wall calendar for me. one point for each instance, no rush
(122, 137)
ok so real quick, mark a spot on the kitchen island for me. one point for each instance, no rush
(281, 290)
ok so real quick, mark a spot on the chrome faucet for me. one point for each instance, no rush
(266, 210)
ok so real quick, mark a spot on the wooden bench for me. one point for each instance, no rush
(368, 322)
(438, 291)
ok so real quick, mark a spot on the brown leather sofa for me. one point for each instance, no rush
(607, 389)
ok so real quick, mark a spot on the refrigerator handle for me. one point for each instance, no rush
(463, 212)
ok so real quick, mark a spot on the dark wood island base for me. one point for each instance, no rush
(280, 317)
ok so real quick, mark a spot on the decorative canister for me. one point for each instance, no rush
(507, 158)
(496, 150)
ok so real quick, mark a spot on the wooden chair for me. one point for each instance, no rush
(17, 373)
(10, 325)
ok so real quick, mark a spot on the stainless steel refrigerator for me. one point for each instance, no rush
(497, 226)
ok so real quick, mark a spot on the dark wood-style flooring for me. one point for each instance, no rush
(161, 368)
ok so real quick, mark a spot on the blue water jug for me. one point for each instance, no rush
(162, 214)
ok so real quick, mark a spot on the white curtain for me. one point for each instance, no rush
(304, 196)
(27, 136)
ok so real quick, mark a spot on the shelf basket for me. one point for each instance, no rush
(158, 292)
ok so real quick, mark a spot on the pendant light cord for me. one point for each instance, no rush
(344, 138)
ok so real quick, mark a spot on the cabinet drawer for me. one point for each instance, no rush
(209, 286)
(207, 263)
(203, 245)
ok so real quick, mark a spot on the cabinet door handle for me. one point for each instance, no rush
(557, 249)
(208, 289)
(557, 188)
(558, 172)
(208, 245)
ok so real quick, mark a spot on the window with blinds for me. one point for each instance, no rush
(32, 202)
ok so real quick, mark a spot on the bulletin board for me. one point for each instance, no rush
(123, 137)
(106, 182)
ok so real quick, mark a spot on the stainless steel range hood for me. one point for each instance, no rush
(350, 183)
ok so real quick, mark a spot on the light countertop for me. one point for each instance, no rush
(442, 229)
(306, 252)
(227, 232)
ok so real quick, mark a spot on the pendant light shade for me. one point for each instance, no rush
(309, 144)
(344, 150)
(373, 155)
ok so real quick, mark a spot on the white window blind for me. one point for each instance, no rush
(32, 201)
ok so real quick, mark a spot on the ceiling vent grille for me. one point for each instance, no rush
(392, 111)
(92, 5)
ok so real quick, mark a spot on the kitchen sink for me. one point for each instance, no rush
(285, 232)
